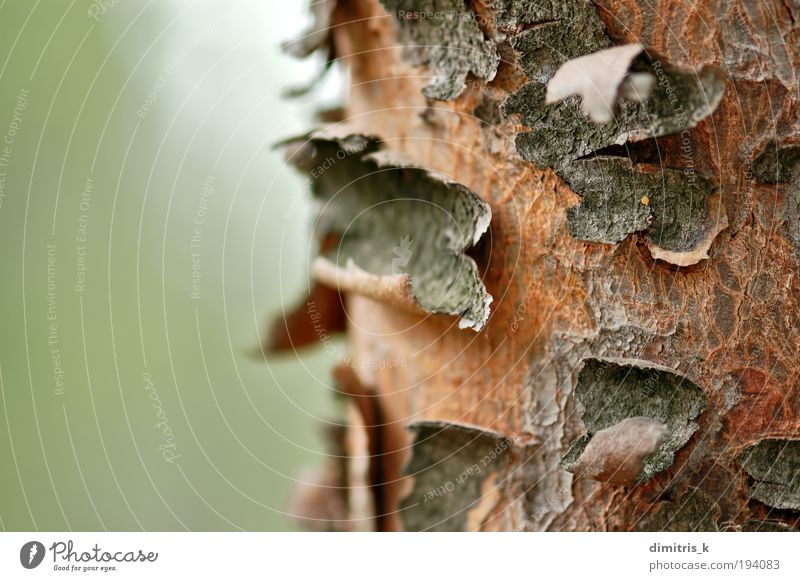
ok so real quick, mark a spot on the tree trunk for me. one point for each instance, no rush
(566, 237)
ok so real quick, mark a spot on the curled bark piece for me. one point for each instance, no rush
(450, 463)
(444, 35)
(369, 406)
(616, 454)
(403, 230)
(393, 289)
(716, 221)
(317, 35)
(651, 100)
(490, 498)
(620, 198)
(600, 79)
(561, 133)
(315, 38)
(777, 163)
(613, 390)
(318, 317)
(303, 151)
(774, 466)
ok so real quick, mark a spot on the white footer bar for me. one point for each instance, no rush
(401, 556)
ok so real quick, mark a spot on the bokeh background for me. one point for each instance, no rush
(148, 230)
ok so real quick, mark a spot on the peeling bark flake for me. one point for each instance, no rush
(561, 133)
(316, 37)
(368, 403)
(611, 392)
(774, 466)
(675, 217)
(398, 226)
(320, 315)
(512, 14)
(777, 163)
(449, 464)
(445, 35)
(561, 32)
(600, 79)
(616, 454)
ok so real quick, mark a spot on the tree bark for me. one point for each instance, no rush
(638, 367)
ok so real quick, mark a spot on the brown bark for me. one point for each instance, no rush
(570, 315)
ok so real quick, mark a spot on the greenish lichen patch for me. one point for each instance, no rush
(515, 14)
(558, 37)
(610, 392)
(695, 511)
(620, 198)
(394, 218)
(445, 36)
(449, 464)
(557, 31)
(774, 466)
(562, 133)
(776, 164)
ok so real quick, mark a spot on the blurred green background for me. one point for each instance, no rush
(148, 230)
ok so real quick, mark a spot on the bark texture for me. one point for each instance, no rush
(638, 369)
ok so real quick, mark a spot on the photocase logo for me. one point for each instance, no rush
(31, 554)
(402, 255)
